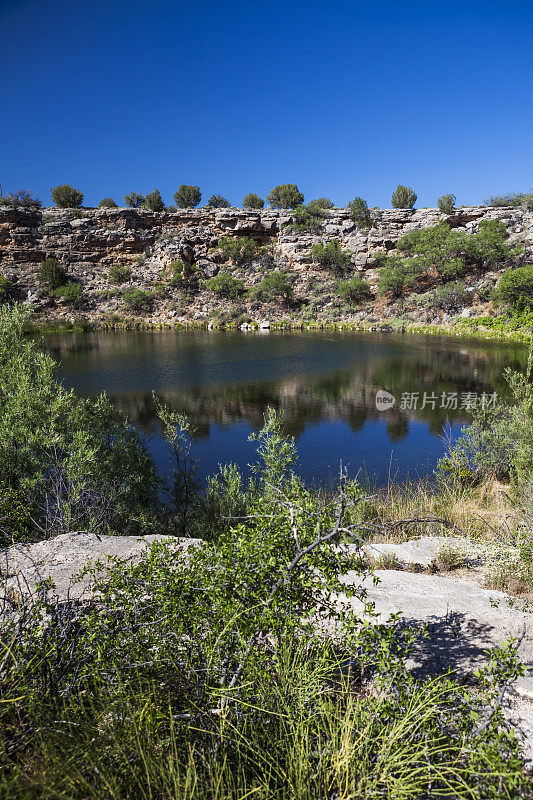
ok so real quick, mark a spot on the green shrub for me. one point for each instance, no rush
(22, 198)
(451, 297)
(224, 285)
(107, 202)
(138, 300)
(516, 287)
(73, 464)
(239, 249)
(134, 199)
(217, 201)
(252, 200)
(360, 213)
(182, 274)
(403, 197)
(322, 202)
(354, 290)
(277, 286)
(71, 292)
(154, 201)
(446, 203)
(187, 196)
(504, 200)
(331, 256)
(51, 274)
(287, 195)
(66, 196)
(6, 289)
(119, 273)
(306, 219)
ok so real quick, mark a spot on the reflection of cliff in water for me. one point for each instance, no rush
(226, 378)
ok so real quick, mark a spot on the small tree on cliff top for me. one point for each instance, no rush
(252, 200)
(188, 196)
(218, 201)
(403, 197)
(66, 196)
(287, 195)
(154, 201)
(134, 199)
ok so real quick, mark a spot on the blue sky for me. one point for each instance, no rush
(342, 98)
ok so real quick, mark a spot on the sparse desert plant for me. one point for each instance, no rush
(6, 289)
(138, 300)
(134, 199)
(354, 290)
(446, 203)
(516, 287)
(239, 249)
(252, 200)
(119, 273)
(277, 286)
(403, 197)
(360, 213)
(66, 196)
(331, 256)
(306, 219)
(51, 274)
(72, 293)
(322, 202)
(182, 274)
(286, 195)
(107, 202)
(224, 285)
(154, 201)
(451, 297)
(21, 198)
(218, 201)
(513, 199)
(187, 196)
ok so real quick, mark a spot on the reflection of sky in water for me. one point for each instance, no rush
(324, 383)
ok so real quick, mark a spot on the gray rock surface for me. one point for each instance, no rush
(22, 566)
(417, 552)
(463, 622)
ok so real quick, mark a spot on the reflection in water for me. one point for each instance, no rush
(324, 383)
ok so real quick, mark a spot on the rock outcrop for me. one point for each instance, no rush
(87, 242)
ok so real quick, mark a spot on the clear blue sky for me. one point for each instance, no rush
(342, 98)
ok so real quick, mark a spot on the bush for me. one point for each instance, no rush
(138, 300)
(154, 201)
(107, 202)
(516, 287)
(277, 285)
(22, 198)
(287, 195)
(306, 219)
(51, 274)
(403, 197)
(360, 213)
(224, 285)
(331, 256)
(446, 203)
(451, 297)
(239, 249)
(66, 196)
(505, 200)
(252, 200)
(119, 273)
(188, 196)
(71, 292)
(6, 289)
(354, 290)
(73, 464)
(217, 201)
(183, 274)
(134, 199)
(322, 202)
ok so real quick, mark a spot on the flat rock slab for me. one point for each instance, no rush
(463, 622)
(417, 552)
(23, 566)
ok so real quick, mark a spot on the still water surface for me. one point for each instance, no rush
(324, 383)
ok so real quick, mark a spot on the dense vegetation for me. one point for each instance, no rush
(216, 674)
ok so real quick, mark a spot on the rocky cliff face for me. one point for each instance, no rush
(88, 242)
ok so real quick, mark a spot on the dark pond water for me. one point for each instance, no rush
(324, 383)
